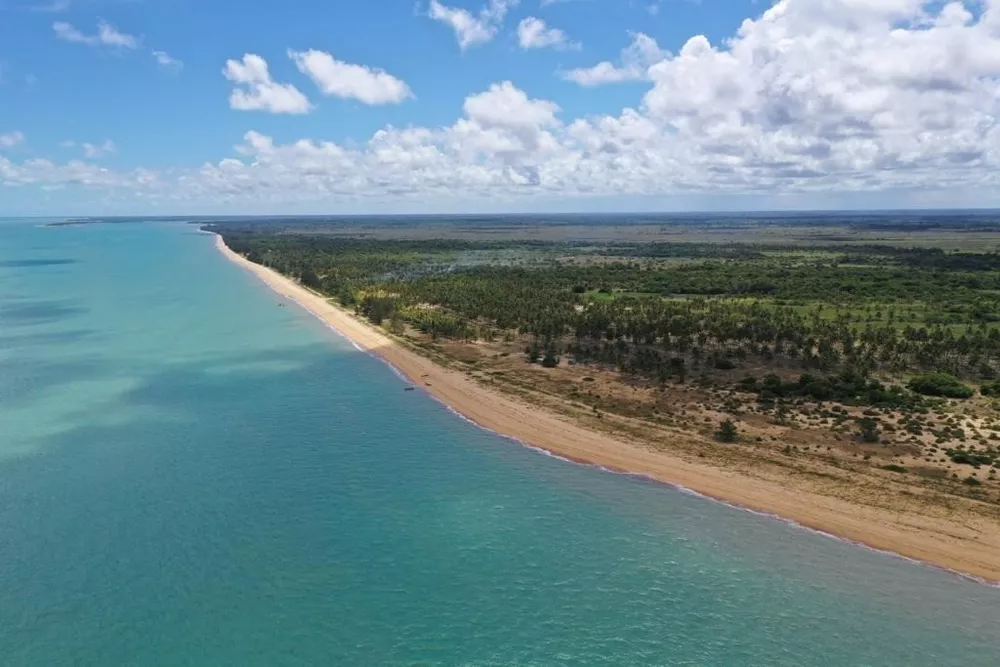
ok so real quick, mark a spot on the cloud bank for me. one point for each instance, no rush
(813, 96)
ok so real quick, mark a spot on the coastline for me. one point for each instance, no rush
(933, 540)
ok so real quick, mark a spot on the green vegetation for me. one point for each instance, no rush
(974, 459)
(727, 432)
(940, 384)
(848, 387)
(990, 388)
(842, 323)
(869, 430)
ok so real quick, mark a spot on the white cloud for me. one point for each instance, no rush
(256, 91)
(471, 29)
(533, 33)
(167, 62)
(107, 35)
(636, 60)
(344, 80)
(11, 139)
(98, 150)
(504, 105)
(817, 100)
(49, 175)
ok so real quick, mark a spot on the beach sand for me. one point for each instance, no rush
(970, 546)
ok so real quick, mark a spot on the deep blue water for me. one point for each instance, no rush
(193, 475)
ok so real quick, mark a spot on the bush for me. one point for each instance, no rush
(892, 467)
(847, 388)
(990, 388)
(727, 432)
(819, 390)
(309, 278)
(869, 429)
(970, 458)
(345, 296)
(940, 384)
(551, 358)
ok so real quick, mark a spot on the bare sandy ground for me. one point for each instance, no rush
(970, 546)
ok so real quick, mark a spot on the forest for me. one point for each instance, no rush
(670, 311)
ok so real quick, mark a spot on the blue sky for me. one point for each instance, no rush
(125, 106)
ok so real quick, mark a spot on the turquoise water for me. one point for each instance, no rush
(193, 475)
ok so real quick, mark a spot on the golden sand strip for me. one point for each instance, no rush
(939, 541)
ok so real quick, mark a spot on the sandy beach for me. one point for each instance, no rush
(969, 546)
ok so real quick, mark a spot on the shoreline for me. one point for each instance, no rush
(933, 541)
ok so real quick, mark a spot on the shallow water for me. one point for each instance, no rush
(191, 474)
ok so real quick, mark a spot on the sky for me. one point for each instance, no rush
(395, 106)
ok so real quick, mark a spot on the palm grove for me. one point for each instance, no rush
(829, 323)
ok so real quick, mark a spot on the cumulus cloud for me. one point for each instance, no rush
(814, 98)
(11, 139)
(499, 144)
(167, 62)
(533, 33)
(256, 91)
(504, 105)
(107, 35)
(47, 174)
(472, 29)
(636, 59)
(851, 90)
(344, 80)
(98, 150)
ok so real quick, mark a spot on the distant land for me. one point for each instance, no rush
(824, 225)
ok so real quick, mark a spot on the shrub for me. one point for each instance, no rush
(869, 429)
(970, 458)
(309, 278)
(892, 467)
(727, 431)
(940, 384)
(990, 388)
(551, 358)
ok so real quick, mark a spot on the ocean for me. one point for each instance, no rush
(196, 472)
